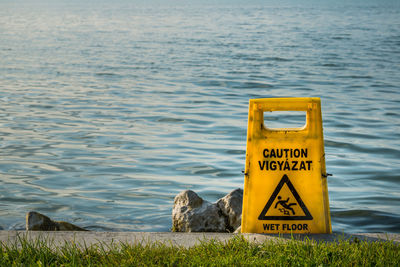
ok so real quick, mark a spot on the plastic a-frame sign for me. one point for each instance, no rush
(285, 185)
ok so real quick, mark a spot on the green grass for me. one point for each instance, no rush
(235, 252)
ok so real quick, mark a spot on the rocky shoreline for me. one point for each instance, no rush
(190, 213)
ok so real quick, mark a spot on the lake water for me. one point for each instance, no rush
(108, 109)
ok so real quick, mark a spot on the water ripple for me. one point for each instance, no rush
(108, 111)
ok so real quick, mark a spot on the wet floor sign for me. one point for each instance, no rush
(285, 187)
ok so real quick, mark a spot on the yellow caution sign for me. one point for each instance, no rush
(285, 187)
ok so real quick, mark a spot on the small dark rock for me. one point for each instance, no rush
(36, 221)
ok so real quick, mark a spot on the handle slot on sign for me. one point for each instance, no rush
(295, 120)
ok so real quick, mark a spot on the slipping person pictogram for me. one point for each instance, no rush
(285, 206)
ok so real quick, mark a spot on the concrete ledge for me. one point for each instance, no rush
(172, 239)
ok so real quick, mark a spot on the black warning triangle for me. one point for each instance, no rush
(285, 180)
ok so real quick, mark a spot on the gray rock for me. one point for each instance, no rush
(36, 221)
(191, 213)
(231, 207)
(188, 198)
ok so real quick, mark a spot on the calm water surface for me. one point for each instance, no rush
(108, 109)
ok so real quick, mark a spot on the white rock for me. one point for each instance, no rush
(193, 214)
(231, 207)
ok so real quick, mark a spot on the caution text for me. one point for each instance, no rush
(292, 160)
(285, 153)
